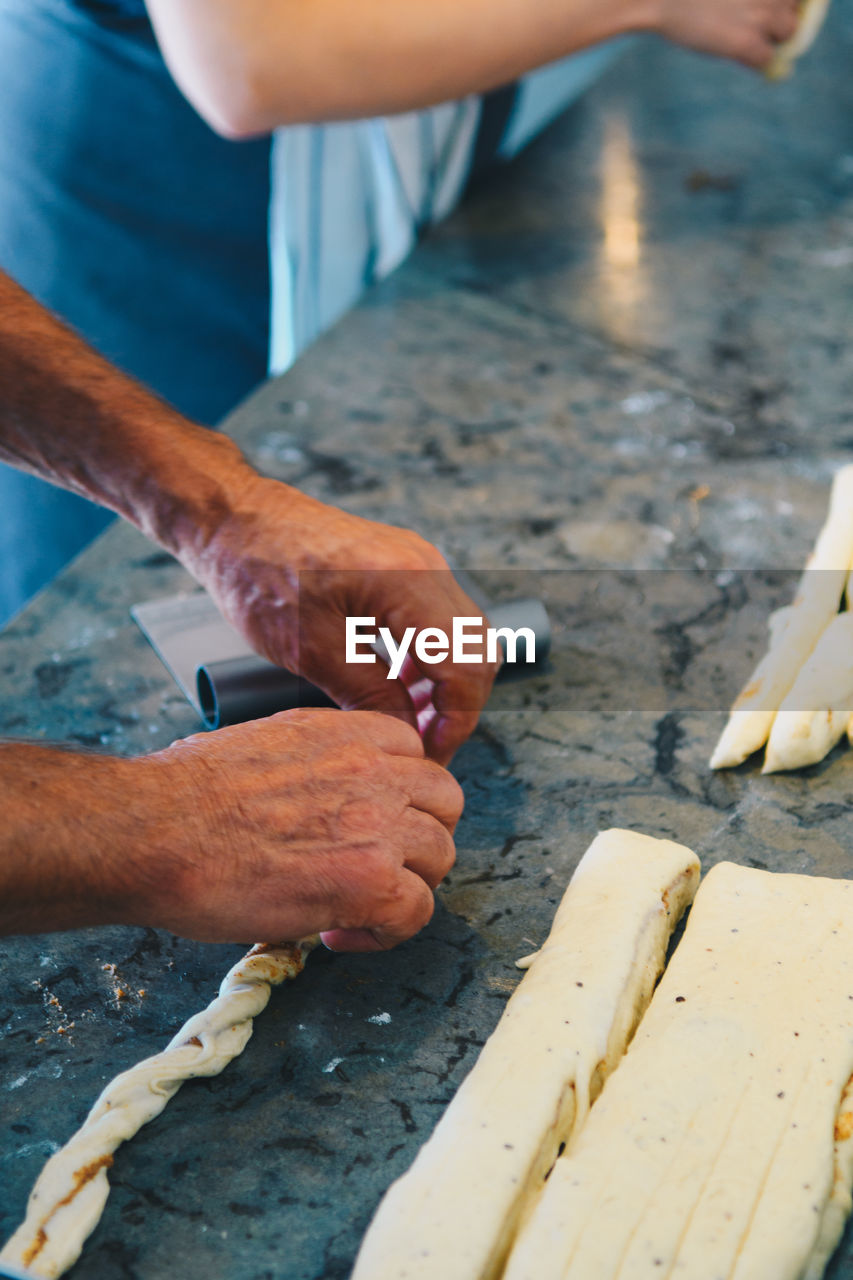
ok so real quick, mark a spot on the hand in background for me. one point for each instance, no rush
(746, 30)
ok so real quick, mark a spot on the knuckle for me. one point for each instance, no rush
(439, 857)
(404, 914)
(446, 854)
(365, 766)
(306, 717)
(455, 796)
(309, 723)
(448, 794)
(408, 737)
(363, 883)
(376, 870)
(422, 545)
(362, 761)
(421, 554)
(364, 821)
(394, 733)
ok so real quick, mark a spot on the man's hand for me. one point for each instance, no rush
(746, 30)
(287, 571)
(310, 821)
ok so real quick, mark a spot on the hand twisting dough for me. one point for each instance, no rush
(72, 1189)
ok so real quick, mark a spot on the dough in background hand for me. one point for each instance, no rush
(801, 736)
(453, 1214)
(720, 1146)
(811, 18)
(818, 597)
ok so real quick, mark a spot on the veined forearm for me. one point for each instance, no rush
(62, 814)
(69, 416)
(252, 65)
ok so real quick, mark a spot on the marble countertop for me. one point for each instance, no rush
(627, 354)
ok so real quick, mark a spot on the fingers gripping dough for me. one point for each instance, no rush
(72, 1189)
(719, 1149)
(818, 597)
(452, 1216)
(811, 19)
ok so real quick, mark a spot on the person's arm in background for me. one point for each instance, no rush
(308, 821)
(70, 417)
(250, 65)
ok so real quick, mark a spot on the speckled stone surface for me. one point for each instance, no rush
(630, 349)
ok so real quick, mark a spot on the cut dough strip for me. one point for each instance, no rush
(811, 19)
(69, 1197)
(720, 1148)
(800, 736)
(453, 1215)
(818, 597)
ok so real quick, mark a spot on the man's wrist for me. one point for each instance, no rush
(68, 859)
(232, 529)
(188, 487)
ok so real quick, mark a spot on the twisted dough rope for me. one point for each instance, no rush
(72, 1189)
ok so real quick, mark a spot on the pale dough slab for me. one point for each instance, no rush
(815, 714)
(451, 1217)
(818, 597)
(712, 1151)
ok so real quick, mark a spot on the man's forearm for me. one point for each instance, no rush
(63, 813)
(69, 416)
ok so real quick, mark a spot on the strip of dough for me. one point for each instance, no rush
(452, 1216)
(720, 1147)
(811, 19)
(815, 714)
(69, 1197)
(818, 597)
